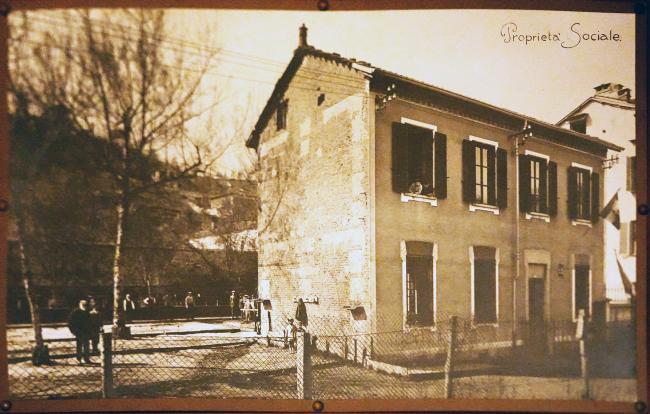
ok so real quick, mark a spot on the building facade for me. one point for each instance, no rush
(389, 204)
(610, 114)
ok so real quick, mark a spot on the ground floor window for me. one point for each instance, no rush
(419, 284)
(484, 284)
(581, 289)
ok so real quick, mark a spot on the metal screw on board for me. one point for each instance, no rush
(6, 405)
(640, 407)
(318, 406)
(643, 209)
(323, 5)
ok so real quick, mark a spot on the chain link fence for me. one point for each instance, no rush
(455, 358)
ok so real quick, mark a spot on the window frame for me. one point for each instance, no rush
(574, 316)
(281, 115)
(539, 158)
(473, 296)
(434, 259)
(585, 172)
(476, 205)
(431, 199)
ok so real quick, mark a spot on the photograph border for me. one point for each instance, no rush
(327, 6)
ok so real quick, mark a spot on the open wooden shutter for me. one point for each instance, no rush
(595, 197)
(572, 188)
(502, 178)
(524, 183)
(586, 195)
(469, 171)
(400, 158)
(492, 176)
(552, 189)
(440, 143)
(543, 189)
(426, 156)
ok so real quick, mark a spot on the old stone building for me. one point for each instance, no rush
(390, 204)
(610, 114)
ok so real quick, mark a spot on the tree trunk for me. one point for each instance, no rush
(29, 292)
(118, 277)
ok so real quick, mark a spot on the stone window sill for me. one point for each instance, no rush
(406, 197)
(538, 216)
(581, 222)
(484, 207)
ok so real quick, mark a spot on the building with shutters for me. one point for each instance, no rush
(390, 204)
(610, 114)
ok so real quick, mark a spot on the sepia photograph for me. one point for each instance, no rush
(305, 205)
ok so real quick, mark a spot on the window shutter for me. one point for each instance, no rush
(492, 176)
(400, 158)
(441, 165)
(469, 171)
(572, 184)
(595, 197)
(524, 183)
(502, 178)
(543, 189)
(552, 189)
(586, 195)
(426, 143)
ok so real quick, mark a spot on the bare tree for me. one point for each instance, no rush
(120, 82)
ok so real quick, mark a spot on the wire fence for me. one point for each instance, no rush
(456, 358)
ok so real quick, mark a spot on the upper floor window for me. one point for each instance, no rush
(484, 174)
(281, 115)
(578, 123)
(537, 184)
(419, 161)
(584, 193)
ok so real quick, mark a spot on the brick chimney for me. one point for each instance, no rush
(302, 36)
(613, 90)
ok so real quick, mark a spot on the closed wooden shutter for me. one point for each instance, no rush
(502, 178)
(595, 197)
(440, 143)
(400, 158)
(469, 171)
(552, 189)
(492, 176)
(524, 183)
(586, 195)
(572, 188)
(543, 189)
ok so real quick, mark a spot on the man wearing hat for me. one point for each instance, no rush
(79, 324)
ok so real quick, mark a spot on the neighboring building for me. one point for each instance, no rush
(390, 204)
(610, 114)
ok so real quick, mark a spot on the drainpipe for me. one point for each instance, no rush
(516, 136)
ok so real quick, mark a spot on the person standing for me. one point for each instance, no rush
(95, 325)
(233, 304)
(258, 316)
(128, 306)
(241, 306)
(189, 305)
(79, 325)
(301, 312)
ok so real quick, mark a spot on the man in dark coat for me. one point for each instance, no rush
(95, 325)
(80, 326)
(301, 312)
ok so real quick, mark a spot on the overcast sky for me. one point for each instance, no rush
(468, 52)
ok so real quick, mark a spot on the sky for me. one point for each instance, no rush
(471, 52)
(498, 57)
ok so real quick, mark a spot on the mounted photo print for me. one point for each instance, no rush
(355, 208)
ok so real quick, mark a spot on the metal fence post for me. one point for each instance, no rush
(107, 365)
(449, 362)
(303, 367)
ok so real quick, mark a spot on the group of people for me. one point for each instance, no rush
(85, 323)
(295, 325)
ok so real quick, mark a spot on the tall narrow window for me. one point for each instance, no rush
(281, 114)
(485, 284)
(419, 284)
(482, 181)
(583, 194)
(581, 289)
(535, 204)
